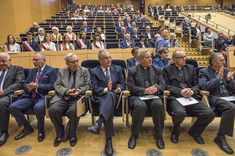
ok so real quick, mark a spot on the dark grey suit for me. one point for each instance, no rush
(14, 80)
(210, 82)
(175, 109)
(137, 86)
(62, 103)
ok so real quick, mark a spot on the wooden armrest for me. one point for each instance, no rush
(88, 93)
(126, 93)
(18, 92)
(203, 92)
(166, 93)
(52, 92)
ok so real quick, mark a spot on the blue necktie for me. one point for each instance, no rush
(2, 76)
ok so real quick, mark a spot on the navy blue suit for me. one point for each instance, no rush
(124, 44)
(106, 101)
(34, 45)
(131, 29)
(46, 83)
(88, 29)
(151, 34)
(130, 63)
(133, 36)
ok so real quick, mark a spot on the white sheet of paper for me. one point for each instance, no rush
(185, 102)
(228, 98)
(148, 97)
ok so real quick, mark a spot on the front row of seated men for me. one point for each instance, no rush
(107, 81)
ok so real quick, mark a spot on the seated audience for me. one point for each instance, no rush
(30, 44)
(160, 41)
(121, 35)
(219, 82)
(47, 45)
(100, 32)
(118, 23)
(66, 45)
(11, 45)
(70, 34)
(56, 36)
(145, 19)
(128, 22)
(97, 43)
(94, 10)
(41, 34)
(85, 28)
(186, 26)
(82, 16)
(133, 26)
(221, 43)
(74, 17)
(148, 33)
(100, 10)
(162, 60)
(142, 43)
(207, 37)
(82, 42)
(127, 43)
(172, 42)
(134, 60)
(135, 34)
(34, 29)
(196, 31)
(122, 25)
(86, 9)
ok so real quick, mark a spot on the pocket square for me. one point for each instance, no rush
(45, 77)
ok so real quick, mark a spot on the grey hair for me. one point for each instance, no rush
(142, 52)
(66, 58)
(175, 52)
(5, 54)
(100, 53)
(213, 56)
(42, 56)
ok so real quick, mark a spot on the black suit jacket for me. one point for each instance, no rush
(172, 80)
(151, 34)
(138, 44)
(185, 27)
(121, 36)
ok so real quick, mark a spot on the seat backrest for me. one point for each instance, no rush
(192, 62)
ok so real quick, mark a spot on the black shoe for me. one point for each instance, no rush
(132, 142)
(73, 141)
(57, 141)
(95, 129)
(108, 148)
(41, 135)
(174, 138)
(197, 138)
(222, 143)
(24, 133)
(3, 138)
(160, 143)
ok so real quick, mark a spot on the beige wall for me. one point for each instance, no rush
(18, 15)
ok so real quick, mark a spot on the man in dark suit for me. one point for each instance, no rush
(11, 79)
(34, 29)
(72, 82)
(133, 26)
(221, 43)
(82, 42)
(218, 81)
(118, 23)
(120, 27)
(127, 43)
(135, 34)
(30, 44)
(181, 81)
(39, 82)
(85, 28)
(107, 81)
(148, 33)
(128, 22)
(186, 26)
(121, 35)
(146, 79)
(134, 60)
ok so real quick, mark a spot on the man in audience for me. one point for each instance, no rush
(162, 60)
(30, 44)
(121, 35)
(39, 82)
(134, 60)
(218, 81)
(72, 82)
(142, 43)
(186, 26)
(34, 29)
(85, 28)
(118, 23)
(128, 22)
(122, 25)
(181, 81)
(82, 42)
(146, 79)
(107, 81)
(160, 41)
(148, 33)
(11, 79)
(127, 43)
(135, 34)
(135, 18)
(133, 26)
(221, 43)
(145, 19)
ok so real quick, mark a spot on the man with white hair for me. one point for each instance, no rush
(127, 43)
(121, 35)
(85, 28)
(160, 41)
(148, 33)
(34, 28)
(11, 79)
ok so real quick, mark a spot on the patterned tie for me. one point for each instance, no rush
(107, 74)
(37, 78)
(2, 76)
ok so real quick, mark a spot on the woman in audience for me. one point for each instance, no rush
(172, 42)
(100, 32)
(83, 16)
(41, 33)
(207, 36)
(74, 17)
(47, 45)
(97, 43)
(11, 45)
(86, 9)
(71, 35)
(56, 36)
(66, 45)
(196, 31)
(142, 43)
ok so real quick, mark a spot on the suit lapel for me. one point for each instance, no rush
(185, 73)
(42, 74)
(112, 74)
(101, 74)
(66, 76)
(152, 75)
(140, 74)
(9, 71)
(78, 77)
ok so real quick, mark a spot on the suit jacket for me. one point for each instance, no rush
(172, 80)
(119, 29)
(151, 34)
(124, 44)
(99, 81)
(208, 81)
(127, 24)
(87, 43)
(130, 63)
(117, 24)
(185, 27)
(45, 83)
(134, 37)
(221, 44)
(61, 85)
(131, 29)
(88, 29)
(121, 36)
(135, 80)
(34, 45)
(138, 44)
(14, 80)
